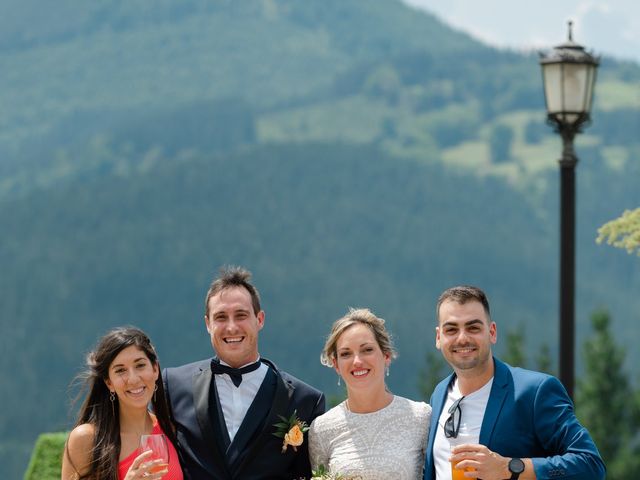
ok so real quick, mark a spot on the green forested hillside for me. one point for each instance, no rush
(349, 153)
(129, 54)
(323, 227)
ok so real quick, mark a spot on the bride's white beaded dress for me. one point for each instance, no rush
(383, 445)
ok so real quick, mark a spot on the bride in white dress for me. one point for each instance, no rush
(373, 434)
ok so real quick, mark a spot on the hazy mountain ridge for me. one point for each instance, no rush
(179, 56)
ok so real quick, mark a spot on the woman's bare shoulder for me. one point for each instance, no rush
(82, 435)
(77, 455)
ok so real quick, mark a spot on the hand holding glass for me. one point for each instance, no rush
(457, 433)
(157, 443)
(462, 439)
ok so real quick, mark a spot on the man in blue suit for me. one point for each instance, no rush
(516, 423)
(226, 408)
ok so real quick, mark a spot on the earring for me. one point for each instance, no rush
(112, 397)
(155, 390)
(387, 370)
(338, 380)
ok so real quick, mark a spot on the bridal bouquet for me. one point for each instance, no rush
(323, 474)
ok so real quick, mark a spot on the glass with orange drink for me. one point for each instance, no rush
(463, 437)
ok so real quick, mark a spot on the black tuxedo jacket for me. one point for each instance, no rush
(255, 453)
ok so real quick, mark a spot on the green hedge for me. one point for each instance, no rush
(46, 459)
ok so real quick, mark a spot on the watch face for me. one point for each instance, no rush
(516, 465)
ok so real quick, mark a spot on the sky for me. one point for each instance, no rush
(606, 27)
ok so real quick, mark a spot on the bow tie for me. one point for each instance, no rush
(235, 373)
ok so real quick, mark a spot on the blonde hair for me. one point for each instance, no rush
(356, 316)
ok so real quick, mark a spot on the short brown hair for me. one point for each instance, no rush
(463, 294)
(232, 276)
(353, 317)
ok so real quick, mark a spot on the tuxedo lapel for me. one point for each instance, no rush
(279, 405)
(218, 422)
(203, 387)
(254, 418)
(498, 394)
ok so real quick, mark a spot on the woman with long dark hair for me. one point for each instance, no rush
(122, 379)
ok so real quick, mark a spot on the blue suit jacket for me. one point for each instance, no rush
(528, 415)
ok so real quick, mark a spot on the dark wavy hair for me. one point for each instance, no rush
(98, 410)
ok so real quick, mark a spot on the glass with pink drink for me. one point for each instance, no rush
(157, 443)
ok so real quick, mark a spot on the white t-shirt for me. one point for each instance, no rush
(473, 407)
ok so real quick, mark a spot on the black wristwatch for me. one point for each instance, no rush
(516, 467)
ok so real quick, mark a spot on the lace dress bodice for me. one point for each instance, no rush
(383, 445)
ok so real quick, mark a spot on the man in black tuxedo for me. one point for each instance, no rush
(225, 409)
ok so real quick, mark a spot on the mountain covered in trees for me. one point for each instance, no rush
(348, 153)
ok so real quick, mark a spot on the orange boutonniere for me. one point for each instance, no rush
(291, 430)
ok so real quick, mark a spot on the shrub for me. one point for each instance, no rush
(46, 459)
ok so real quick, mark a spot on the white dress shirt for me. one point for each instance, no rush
(235, 401)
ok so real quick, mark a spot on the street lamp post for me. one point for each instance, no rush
(569, 75)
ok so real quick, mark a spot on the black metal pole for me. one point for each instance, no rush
(567, 260)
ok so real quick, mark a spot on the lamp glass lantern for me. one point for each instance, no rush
(569, 76)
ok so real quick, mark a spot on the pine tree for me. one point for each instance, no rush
(543, 360)
(434, 371)
(514, 354)
(606, 402)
